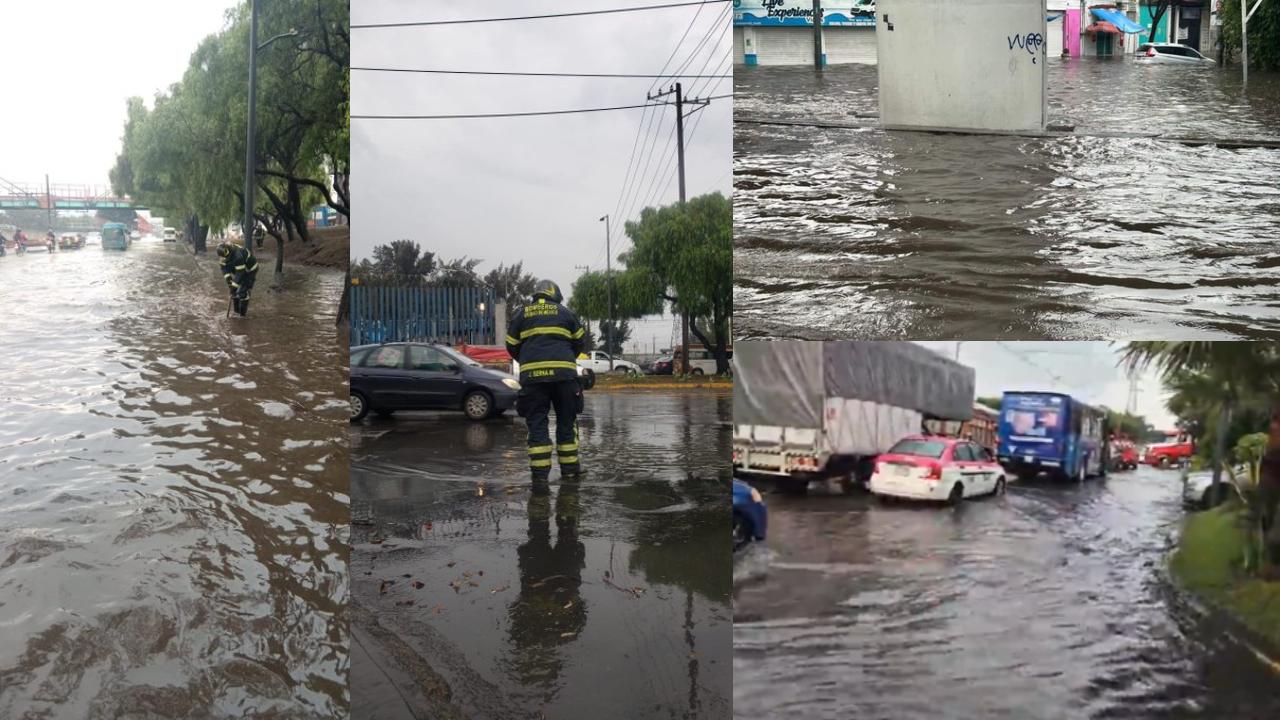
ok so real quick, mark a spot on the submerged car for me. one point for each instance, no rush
(750, 516)
(1174, 53)
(936, 467)
(389, 377)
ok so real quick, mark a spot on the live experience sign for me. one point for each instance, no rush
(800, 12)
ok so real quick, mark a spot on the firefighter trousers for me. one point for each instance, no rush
(535, 402)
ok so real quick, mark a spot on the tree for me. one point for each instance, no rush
(511, 284)
(683, 254)
(185, 157)
(991, 402)
(1220, 378)
(1264, 32)
(615, 337)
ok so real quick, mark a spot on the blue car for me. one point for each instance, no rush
(750, 516)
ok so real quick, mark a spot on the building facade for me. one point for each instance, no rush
(780, 32)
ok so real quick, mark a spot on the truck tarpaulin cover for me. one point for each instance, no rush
(785, 383)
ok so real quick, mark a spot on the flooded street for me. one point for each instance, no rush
(473, 596)
(859, 233)
(1048, 602)
(172, 491)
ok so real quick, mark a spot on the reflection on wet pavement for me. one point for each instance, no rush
(172, 485)
(475, 596)
(845, 233)
(1049, 602)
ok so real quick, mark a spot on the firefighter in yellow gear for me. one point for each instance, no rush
(545, 337)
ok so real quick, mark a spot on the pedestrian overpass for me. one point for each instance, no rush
(61, 196)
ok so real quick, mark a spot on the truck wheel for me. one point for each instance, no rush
(1164, 462)
(587, 380)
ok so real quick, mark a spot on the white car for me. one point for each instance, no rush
(598, 362)
(1197, 488)
(170, 235)
(863, 7)
(938, 468)
(1171, 53)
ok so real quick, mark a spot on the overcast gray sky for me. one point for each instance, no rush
(527, 189)
(69, 67)
(1087, 370)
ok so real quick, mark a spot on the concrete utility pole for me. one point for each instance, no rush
(250, 154)
(1244, 35)
(817, 34)
(681, 101)
(250, 157)
(608, 276)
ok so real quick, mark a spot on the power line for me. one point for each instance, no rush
(717, 24)
(508, 114)
(644, 129)
(522, 114)
(538, 17)
(533, 74)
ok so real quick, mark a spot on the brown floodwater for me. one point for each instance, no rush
(172, 491)
(862, 233)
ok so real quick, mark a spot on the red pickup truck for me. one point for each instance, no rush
(1176, 448)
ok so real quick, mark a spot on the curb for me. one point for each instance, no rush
(1261, 647)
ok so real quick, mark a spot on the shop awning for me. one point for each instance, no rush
(1116, 20)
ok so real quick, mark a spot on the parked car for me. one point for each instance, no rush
(661, 366)
(1197, 489)
(864, 8)
(426, 376)
(170, 235)
(750, 516)
(1161, 53)
(936, 467)
(598, 362)
(701, 361)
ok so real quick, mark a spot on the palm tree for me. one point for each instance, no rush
(1221, 376)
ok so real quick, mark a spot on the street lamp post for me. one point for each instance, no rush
(608, 274)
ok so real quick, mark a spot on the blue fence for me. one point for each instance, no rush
(432, 314)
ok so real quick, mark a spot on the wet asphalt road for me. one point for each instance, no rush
(1048, 602)
(859, 233)
(172, 486)
(474, 597)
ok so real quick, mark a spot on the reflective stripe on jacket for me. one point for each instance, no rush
(237, 264)
(546, 339)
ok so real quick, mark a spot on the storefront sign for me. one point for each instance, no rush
(800, 12)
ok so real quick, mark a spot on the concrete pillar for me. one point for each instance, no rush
(500, 322)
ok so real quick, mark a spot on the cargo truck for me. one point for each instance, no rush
(805, 411)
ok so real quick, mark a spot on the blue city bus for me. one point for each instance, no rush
(1053, 433)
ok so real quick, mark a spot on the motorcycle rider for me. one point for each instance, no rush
(240, 270)
(545, 337)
